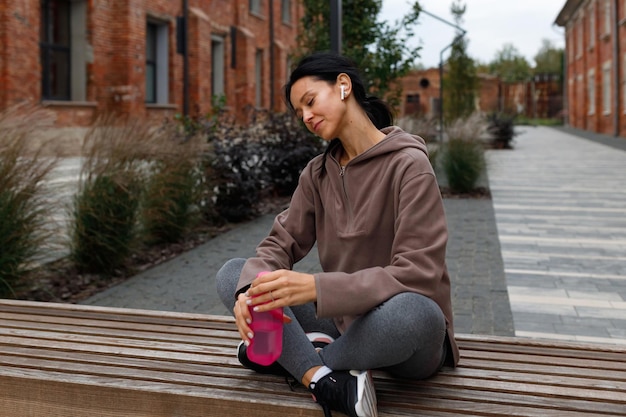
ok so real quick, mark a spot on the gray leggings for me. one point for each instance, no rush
(405, 335)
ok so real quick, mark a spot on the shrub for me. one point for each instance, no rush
(463, 162)
(24, 209)
(287, 148)
(246, 161)
(104, 211)
(171, 190)
(463, 156)
(501, 127)
(104, 217)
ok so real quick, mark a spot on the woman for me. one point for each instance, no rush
(373, 206)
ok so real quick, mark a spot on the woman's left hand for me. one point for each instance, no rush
(281, 288)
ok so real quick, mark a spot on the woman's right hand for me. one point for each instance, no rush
(243, 318)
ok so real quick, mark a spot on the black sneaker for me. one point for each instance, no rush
(319, 341)
(273, 369)
(349, 392)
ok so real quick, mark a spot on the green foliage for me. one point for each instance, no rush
(263, 156)
(510, 65)
(549, 59)
(463, 162)
(501, 127)
(287, 148)
(104, 214)
(167, 204)
(463, 155)
(104, 211)
(380, 49)
(24, 210)
(460, 81)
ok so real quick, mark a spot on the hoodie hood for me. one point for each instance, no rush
(395, 140)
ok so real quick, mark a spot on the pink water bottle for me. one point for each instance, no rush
(267, 343)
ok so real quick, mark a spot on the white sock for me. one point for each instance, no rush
(320, 373)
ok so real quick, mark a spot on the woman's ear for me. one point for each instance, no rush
(345, 85)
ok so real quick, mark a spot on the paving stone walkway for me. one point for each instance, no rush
(545, 258)
(560, 205)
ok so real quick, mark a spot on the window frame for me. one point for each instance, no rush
(591, 92)
(159, 63)
(48, 48)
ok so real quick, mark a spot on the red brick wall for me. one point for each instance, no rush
(116, 33)
(593, 57)
(19, 52)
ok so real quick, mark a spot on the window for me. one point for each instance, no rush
(606, 88)
(55, 50)
(624, 85)
(591, 92)
(579, 38)
(63, 49)
(592, 26)
(286, 11)
(258, 66)
(217, 66)
(255, 6)
(157, 72)
(607, 17)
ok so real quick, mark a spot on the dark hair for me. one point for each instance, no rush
(327, 66)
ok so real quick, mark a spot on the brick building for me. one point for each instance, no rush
(79, 58)
(595, 60)
(540, 97)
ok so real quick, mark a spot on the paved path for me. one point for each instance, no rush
(560, 204)
(187, 283)
(558, 230)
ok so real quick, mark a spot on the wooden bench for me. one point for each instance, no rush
(69, 360)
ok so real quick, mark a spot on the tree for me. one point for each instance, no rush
(380, 49)
(510, 65)
(549, 59)
(460, 82)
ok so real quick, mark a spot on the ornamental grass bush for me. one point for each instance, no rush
(170, 201)
(463, 156)
(25, 212)
(105, 208)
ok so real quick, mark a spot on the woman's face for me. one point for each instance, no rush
(318, 103)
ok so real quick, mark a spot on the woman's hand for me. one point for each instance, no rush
(281, 288)
(243, 318)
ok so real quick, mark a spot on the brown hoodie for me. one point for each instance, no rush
(380, 228)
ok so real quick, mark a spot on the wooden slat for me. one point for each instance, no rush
(68, 360)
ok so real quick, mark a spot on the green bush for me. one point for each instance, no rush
(463, 161)
(286, 149)
(168, 200)
(501, 127)
(104, 215)
(105, 209)
(24, 208)
(247, 161)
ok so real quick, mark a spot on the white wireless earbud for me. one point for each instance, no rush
(343, 92)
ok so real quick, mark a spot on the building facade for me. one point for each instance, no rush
(81, 58)
(595, 62)
(539, 97)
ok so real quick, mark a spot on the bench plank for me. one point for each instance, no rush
(76, 361)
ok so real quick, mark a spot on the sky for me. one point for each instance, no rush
(489, 24)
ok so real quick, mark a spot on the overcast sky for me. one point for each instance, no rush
(489, 25)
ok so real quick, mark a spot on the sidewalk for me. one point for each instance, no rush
(560, 217)
(560, 205)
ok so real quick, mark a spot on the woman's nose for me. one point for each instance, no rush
(307, 116)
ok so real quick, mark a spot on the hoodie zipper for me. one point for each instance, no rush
(342, 173)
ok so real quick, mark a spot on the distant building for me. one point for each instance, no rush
(539, 97)
(595, 60)
(79, 58)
